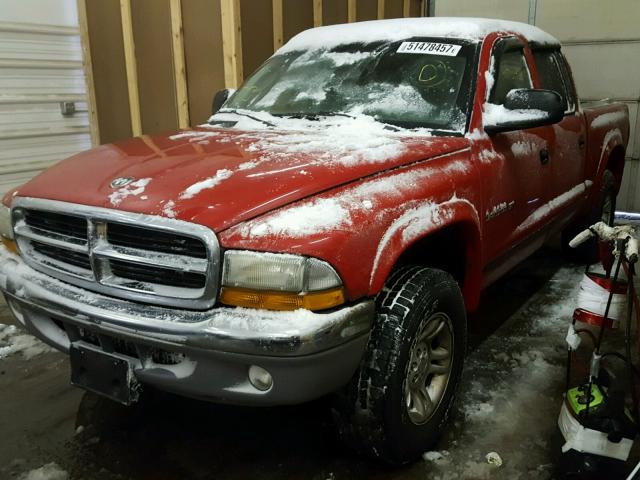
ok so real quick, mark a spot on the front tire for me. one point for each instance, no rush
(399, 400)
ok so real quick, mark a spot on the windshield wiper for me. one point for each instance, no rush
(313, 116)
(244, 114)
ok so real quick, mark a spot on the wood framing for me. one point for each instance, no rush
(87, 66)
(231, 42)
(380, 9)
(352, 11)
(317, 13)
(406, 8)
(179, 68)
(278, 25)
(131, 67)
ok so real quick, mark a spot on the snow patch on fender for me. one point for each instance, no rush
(320, 215)
(335, 213)
(608, 119)
(416, 221)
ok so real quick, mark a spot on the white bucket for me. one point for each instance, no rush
(593, 298)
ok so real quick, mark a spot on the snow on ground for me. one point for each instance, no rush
(511, 399)
(15, 340)
(50, 471)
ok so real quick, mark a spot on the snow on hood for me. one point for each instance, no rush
(219, 177)
(337, 139)
(474, 29)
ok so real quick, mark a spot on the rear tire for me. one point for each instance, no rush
(604, 211)
(399, 400)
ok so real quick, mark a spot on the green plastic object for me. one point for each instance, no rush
(577, 398)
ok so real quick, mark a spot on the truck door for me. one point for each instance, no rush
(515, 170)
(568, 147)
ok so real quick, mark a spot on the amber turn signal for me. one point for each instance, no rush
(239, 297)
(10, 245)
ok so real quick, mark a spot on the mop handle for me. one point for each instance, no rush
(581, 238)
(606, 233)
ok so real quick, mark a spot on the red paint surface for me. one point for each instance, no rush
(466, 194)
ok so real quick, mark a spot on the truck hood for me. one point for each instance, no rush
(218, 177)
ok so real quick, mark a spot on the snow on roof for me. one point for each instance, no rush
(474, 29)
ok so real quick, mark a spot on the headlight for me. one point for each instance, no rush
(6, 230)
(279, 282)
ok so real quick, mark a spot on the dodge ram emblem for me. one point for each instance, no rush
(121, 182)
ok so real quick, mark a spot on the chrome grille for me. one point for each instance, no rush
(144, 258)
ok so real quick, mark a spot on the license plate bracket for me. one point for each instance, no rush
(104, 373)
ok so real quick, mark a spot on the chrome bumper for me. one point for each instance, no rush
(312, 353)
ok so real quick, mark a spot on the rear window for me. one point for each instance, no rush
(550, 73)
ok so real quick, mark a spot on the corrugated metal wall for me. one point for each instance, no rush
(601, 41)
(40, 68)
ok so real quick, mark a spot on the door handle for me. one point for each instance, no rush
(544, 156)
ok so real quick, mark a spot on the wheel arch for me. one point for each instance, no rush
(453, 246)
(615, 163)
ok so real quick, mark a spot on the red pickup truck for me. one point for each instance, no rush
(325, 232)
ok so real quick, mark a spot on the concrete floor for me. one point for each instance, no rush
(508, 404)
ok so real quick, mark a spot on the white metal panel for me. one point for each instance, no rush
(579, 20)
(606, 70)
(40, 67)
(46, 12)
(517, 10)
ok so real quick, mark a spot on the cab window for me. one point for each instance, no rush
(511, 72)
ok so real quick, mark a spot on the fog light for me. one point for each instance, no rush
(260, 378)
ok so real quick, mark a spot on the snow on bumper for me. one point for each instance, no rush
(308, 354)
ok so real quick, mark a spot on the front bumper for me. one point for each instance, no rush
(200, 354)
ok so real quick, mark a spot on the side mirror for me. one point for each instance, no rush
(220, 98)
(523, 108)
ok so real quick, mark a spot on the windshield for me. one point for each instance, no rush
(422, 83)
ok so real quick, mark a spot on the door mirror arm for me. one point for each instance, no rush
(220, 98)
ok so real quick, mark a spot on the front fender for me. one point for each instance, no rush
(419, 222)
(362, 228)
